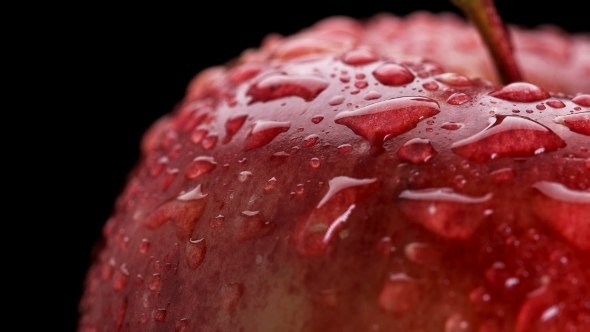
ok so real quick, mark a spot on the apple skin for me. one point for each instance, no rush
(260, 272)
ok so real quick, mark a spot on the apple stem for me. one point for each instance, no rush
(495, 34)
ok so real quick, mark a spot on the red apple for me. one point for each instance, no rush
(336, 180)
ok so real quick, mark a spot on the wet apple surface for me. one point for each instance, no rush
(324, 176)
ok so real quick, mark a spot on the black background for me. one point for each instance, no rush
(125, 67)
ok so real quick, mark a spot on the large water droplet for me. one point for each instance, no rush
(555, 103)
(195, 252)
(184, 211)
(344, 148)
(230, 295)
(199, 166)
(399, 294)
(538, 312)
(430, 86)
(453, 79)
(577, 122)
(232, 125)
(372, 95)
(317, 119)
(263, 132)
(416, 151)
(520, 92)
(314, 233)
(392, 74)
(281, 86)
(452, 125)
(388, 118)
(444, 212)
(458, 98)
(503, 138)
(252, 225)
(565, 210)
(582, 100)
(310, 140)
(336, 100)
(358, 57)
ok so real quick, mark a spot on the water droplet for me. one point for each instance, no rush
(452, 125)
(155, 282)
(578, 122)
(391, 74)
(199, 166)
(245, 176)
(430, 86)
(556, 103)
(316, 231)
(503, 138)
(457, 323)
(444, 212)
(422, 253)
(358, 57)
(372, 95)
(198, 134)
(336, 100)
(280, 157)
(416, 151)
(314, 162)
(184, 211)
(538, 311)
(458, 99)
(169, 178)
(209, 142)
(217, 221)
(280, 86)
(120, 278)
(144, 246)
(252, 225)
(195, 252)
(540, 107)
(158, 166)
(385, 246)
(582, 100)
(120, 312)
(520, 92)
(502, 175)
(159, 315)
(310, 141)
(361, 84)
(271, 184)
(181, 325)
(317, 119)
(230, 295)
(263, 132)
(344, 148)
(399, 294)
(565, 210)
(453, 79)
(388, 118)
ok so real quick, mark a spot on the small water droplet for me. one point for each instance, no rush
(443, 211)
(144, 246)
(217, 221)
(252, 225)
(198, 134)
(430, 86)
(458, 98)
(199, 166)
(503, 138)
(556, 103)
(264, 132)
(578, 122)
(540, 107)
(391, 74)
(452, 125)
(314, 162)
(416, 151)
(159, 315)
(244, 176)
(120, 278)
(280, 157)
(155, 282)
(502, 175)
(344, 148)
(388, 118)
(399, 294)
(271, 184)
(565, 210)
(300, 189)
(582, 100)
(181, 325)
(317, 119)
(537, 311)
(358, 57)
(310, 140)
(169, 178)
(280, 86)
(453, 79)
(520, 92)
(361, 84)
(385, 246)
(372, 95)
(457, 323)
(336, 100)
(422, 253)
(195, 252)
(230, 295)
(158, 166)
(209, 142)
